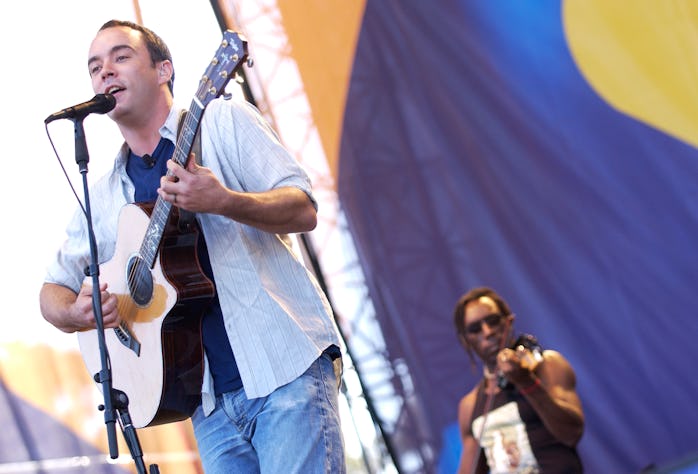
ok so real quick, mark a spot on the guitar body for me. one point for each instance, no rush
(157, 354)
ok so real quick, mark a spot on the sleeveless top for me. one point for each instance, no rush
(515, 440)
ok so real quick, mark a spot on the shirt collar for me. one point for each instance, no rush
(169, 128)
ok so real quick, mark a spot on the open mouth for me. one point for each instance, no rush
(113, 90)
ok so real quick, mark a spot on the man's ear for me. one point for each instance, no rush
(164, 71)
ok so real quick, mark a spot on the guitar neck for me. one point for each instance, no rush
(185, 140)
(162, 209)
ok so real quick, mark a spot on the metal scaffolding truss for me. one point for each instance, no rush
(377, 392)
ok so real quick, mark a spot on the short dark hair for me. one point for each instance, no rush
(157, 48)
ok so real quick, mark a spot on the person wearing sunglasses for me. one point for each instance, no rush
(524, 415)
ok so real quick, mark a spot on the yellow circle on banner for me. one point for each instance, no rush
(641, 57)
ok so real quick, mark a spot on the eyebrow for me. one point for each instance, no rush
(111, 51)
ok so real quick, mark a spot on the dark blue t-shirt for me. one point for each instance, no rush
(145, 172)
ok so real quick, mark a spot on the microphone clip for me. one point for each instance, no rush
(148, 160)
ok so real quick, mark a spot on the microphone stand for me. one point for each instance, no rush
(115, 401)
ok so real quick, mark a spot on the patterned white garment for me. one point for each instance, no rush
(505, 441)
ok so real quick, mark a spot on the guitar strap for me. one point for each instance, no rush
(186, 218)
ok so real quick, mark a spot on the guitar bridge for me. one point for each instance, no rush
(123, 333)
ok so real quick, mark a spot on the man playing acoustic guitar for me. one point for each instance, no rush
(267, 400)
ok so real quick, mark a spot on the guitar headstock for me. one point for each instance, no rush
(230, 56)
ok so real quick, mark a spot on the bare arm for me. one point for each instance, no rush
(471, 448)
(282, 211)
(72, 312)
(551, 390)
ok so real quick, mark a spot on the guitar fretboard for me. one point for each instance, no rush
(162, 208)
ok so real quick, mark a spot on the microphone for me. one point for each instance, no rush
(99, 104)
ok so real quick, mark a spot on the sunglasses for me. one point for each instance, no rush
(492, 321)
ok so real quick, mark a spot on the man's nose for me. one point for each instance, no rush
(107, 70)
(486, 329)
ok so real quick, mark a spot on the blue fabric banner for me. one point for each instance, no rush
(475, 151)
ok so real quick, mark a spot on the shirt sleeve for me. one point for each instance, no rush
(65, 270)
(254, 159)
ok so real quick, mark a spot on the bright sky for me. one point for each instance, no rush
(45, 71)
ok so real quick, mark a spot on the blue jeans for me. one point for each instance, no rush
(295, 429)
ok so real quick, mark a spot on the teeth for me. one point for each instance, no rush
(111, 90)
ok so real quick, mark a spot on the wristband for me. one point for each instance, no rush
(530, 388)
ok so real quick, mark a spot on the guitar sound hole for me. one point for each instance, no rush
(140, 281)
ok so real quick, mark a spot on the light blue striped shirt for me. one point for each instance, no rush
(277, 318)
